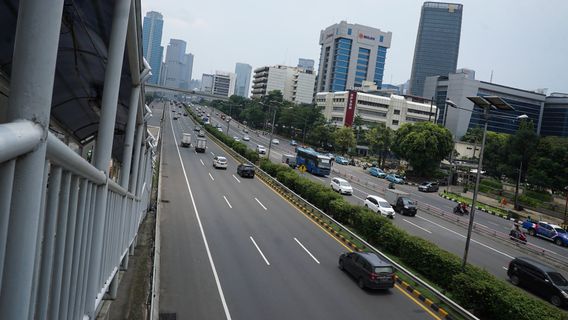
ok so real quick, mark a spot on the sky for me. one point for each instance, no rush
(523, 42)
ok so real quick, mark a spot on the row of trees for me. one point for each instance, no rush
(541, 160)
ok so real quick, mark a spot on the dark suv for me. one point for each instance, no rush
(540, 279)
(368, 269)
(245, 170)
(428, 186)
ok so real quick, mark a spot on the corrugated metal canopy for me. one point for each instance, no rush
(80, 70)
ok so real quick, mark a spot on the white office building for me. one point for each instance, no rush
(224, 83)
(296, 84)
(342, 107)
(207, 82)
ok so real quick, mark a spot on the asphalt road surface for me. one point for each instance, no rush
(234, 249)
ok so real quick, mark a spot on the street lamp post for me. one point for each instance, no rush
(271, 133)
(453, 105)
(485, 103)
(516, 202)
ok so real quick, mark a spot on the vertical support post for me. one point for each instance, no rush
(136, 158)
(271, 133)
(129, 136)
(476, 189)
(103, 148)
(7, 173)
(31, 88)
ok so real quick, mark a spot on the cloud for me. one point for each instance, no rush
(199, 23)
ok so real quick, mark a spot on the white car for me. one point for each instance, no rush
(275, 141)
(341, 185)
(220, 129)
(246, 137)
(237, 139)
(220, 162)
(260, 149)
(379, 205)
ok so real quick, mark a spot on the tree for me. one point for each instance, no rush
(423, 145)
(344, 139)
(357, 124)
(380, 140)
(547, 168)
(495, 154)
(521, 147)
(321, 135)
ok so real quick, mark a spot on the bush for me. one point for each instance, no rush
(529, 201)
(539, 195)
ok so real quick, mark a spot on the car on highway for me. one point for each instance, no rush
(546, 230)
(220, 162)
(220, 129)
(293, 143)
(341, 185)
(197, 128)
(539, 278)
(377, 172)
(185, 114)
(260, 149)
(245, 130)
(368, 269)
(246, 137)
(379, 205)
(236, 138)
(429, 186)
(395, 178)
(245, 170)
(201, 134)
(176, 117)
(341, 160)
(275, 141)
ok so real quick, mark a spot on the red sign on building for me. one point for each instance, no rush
(350, 112)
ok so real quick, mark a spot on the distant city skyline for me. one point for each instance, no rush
(529, 58)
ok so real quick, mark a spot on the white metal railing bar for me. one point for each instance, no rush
(18, 138)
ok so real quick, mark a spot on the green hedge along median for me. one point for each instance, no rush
(475, 289)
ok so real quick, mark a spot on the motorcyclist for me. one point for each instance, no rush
(391, 185)
(516, 232)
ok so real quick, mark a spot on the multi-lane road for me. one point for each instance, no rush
(231, 248)
(494, 256)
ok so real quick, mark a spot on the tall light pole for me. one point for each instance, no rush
(516, 202)
(453, 105)
(486, 103)
(271, 133)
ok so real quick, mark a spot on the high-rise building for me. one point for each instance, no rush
(243, 72)
(151, 43)
(207, 82)
(437, 43)
(223, 83)
(296, 84)
(351, 54)
(306, 64)
(458, 86)
(178, 65)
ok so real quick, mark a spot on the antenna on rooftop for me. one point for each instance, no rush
(491, 78)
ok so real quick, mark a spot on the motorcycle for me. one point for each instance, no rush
(519, 236)
(461, 210)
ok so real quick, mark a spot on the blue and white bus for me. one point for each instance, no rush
(315, 162)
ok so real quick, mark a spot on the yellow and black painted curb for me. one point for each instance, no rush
(415, 293)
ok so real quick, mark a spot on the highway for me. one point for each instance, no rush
(491, 255)
(234, 249)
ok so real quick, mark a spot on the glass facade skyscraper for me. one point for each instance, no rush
(555, 115)
(151, 43)
(351, 54)
(437, 43)
(242, 82)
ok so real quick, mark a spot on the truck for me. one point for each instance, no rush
(401, 202)
(200, 145)
(547, 231)
(186, 140)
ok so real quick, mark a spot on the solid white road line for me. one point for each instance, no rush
(359, 198)
(227, 201)
(210, 176)
(472, 240)
(417, 226)
(505, 268)
(209, 256)
(257, 248)
(311, 255)
(239, 181)
(202, 162)
(212, 153)
(260, 204)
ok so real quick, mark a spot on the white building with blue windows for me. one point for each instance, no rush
(351, 54)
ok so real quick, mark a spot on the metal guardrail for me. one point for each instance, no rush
(304, 203)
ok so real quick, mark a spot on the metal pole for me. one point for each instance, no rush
(271, 133)
(7, 173)
(136, 158)
(517, 186)
(445, 113)
(103, 148)
(431, 107)
(31, 89)
(474, 200)
(451, 167)
(129, 137)
(566, 207)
